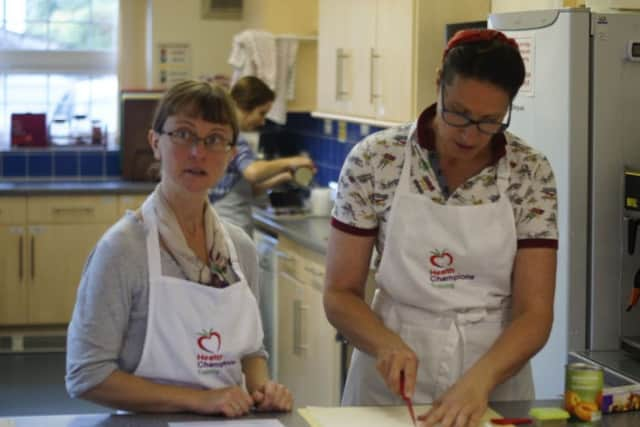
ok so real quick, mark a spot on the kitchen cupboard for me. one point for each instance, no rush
(309, 355)
(377, 60)
(48, 239)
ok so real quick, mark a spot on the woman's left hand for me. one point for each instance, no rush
(272, 396)
(462, 405)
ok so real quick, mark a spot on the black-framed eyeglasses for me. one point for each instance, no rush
(213, 143)
(459, 120)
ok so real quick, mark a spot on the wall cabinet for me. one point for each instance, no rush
(377, 60)
(309, 356)
(44, 244)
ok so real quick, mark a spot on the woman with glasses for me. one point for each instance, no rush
(247, 177)
(462, 215)
(166, 318)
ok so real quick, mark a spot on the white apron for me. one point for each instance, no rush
(445, 287)
(196, 335)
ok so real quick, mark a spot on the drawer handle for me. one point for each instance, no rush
(57, 211)
(20, 258)
(284, 256)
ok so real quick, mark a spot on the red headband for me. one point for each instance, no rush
(472, 36)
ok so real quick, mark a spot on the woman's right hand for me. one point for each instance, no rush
(393, 359)
(229, 401)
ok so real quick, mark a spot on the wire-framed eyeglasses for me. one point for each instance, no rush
(186, 138)
(460, 120)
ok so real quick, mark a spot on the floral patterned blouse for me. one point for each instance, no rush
(371, 173)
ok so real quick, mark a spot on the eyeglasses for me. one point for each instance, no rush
(212, 143)
(459, 120)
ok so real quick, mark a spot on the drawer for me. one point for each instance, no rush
(72, 209)
(13, 210)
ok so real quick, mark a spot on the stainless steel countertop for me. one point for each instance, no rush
(309, 231)
(55, 188)
(506, 409)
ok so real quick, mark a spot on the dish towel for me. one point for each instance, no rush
(253, 53)
(286, 51)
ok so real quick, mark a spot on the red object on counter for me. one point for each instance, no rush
(514, 421)
(28, 130)
(407, 399)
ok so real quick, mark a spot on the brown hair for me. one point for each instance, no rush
(250, 92)
(196, 99)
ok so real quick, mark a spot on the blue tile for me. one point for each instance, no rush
(39, 164)
(113, 163)
(14, 165)
(353, 132)
(65, 164)
(91, 164)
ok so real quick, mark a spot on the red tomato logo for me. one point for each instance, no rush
(206, 341)
(441, 258)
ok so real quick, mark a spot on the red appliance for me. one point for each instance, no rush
(28, 130)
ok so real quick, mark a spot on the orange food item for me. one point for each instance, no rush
(585, 410)
(571, 399)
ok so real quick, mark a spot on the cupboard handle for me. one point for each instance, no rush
(33, 259)
(372, 57)
(20, 258)
(72, 210)
(340, 57)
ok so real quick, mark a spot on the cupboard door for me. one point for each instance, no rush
(291, 348)
(13, 289)
(57, 255)
(332, 55)
(323, 351)
(361, 42)
(393, 66)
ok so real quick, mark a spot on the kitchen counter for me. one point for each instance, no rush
(307, 230)
(507, 409)
(56, 188)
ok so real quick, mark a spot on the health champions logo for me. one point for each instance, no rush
(209, 356)
(442, 272)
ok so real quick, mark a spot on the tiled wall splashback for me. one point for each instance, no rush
(327, 142)
(59, 165)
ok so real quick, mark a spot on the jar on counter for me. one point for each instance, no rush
(97, 132)
(59, 132)
(80, 129)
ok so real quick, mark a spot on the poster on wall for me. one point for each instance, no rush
(174, 63)
(527, 45)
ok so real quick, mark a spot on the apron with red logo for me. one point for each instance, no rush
(444, 286)
(196, 335)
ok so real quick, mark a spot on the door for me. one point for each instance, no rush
(392, 62)
(291, 350)
(56, 254)
(332, 55)
(13, 289)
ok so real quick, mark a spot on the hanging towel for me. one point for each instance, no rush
(286, 51)
(253, 53)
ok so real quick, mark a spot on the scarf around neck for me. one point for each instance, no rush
(218, 272)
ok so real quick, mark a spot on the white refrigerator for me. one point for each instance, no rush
(580, 105)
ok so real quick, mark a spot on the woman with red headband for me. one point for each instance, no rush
(462, 215)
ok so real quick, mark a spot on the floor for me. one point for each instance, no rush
(33, 384)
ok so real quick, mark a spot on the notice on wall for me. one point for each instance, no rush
(174, 63)
(527, 45)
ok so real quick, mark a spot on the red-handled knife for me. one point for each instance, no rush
(407, 399)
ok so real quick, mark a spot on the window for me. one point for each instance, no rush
(58, 57)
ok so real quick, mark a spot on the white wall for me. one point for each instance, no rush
(501, 6)
(180, 22)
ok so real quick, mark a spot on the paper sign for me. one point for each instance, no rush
(174, 63)
(527, 46)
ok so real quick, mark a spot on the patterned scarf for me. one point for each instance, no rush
(219, 272)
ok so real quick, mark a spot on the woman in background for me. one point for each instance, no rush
(166, 318)
(246, 176)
